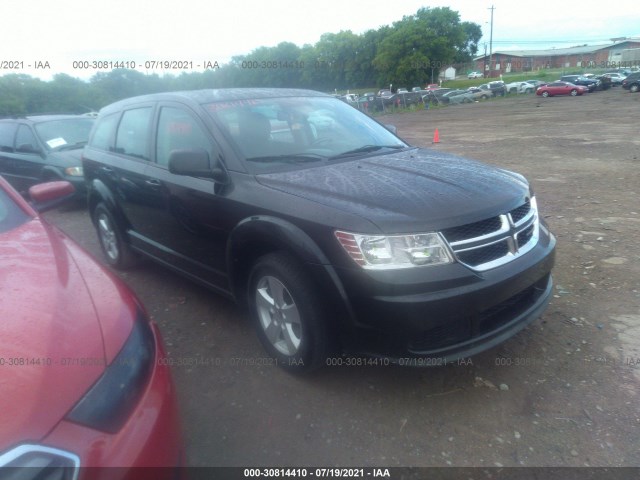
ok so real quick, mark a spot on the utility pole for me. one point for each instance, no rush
(491, 44)
(484, 69)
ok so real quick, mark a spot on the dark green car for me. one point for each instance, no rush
(41, 148)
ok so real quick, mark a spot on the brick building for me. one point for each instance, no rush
(607, 56)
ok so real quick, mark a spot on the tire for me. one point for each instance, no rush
(484, 97)
(545, 94)
(112, 240)
(634, 88)
(574, 92)
(287, 313)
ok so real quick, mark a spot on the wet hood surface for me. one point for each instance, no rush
(409, 191)
(66, 158)
(51, 346)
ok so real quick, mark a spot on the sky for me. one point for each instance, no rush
(55, 34)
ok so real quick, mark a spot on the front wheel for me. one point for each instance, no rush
(545, 94)
(574, 92)
(633, 88)
(112, 239)
(287, 313)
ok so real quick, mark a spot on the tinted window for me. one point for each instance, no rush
(279, 133)
(178, 130)
(131, 138)
(26, 140)
(7, 132)
(103, 134)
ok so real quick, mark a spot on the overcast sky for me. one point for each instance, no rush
(61, 31)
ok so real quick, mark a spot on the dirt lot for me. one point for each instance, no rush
(564, 392)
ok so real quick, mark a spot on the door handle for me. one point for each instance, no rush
(153, 183)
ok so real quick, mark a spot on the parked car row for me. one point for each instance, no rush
(578, 84)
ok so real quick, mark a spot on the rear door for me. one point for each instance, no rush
(117, 156)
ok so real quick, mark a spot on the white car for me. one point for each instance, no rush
(616, 77)
(475, 75)
(520, 87)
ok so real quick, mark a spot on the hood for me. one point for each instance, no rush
(51, 343)
(67, 158)
(409, 191)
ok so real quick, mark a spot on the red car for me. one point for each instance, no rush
(561, 88)
(82, 381)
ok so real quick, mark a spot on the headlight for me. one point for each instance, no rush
(108, 404)
(36, 462)
(73, 171)
(395, 251)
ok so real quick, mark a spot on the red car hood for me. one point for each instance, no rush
(51, 342)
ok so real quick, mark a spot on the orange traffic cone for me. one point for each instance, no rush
(436, 137)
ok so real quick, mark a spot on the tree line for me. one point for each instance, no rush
(409, 52)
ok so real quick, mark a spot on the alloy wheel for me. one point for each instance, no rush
(108, 237)
(278, 315)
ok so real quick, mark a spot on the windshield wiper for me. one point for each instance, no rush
(289, 158)
(366, 149)
(70, 146)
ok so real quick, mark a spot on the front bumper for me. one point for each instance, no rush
(446, 313)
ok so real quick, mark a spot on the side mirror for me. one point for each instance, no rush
(392, 129)
(46, 196)
(196, 163)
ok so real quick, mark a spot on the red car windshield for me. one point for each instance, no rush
(11, 215)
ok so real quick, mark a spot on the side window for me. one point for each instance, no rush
(132, 136)
(26, 141)
(7, 131)
(178, 130)
(103, 134)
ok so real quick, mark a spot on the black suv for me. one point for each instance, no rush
(43, 148)
(632, 82)
(592, 85)
(336, 234)
(497, 88)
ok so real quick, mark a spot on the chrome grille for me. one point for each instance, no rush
(471, 230)
(497, 240)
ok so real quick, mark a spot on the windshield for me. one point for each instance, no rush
(276, 133)
(11, 215)
(65, 133)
